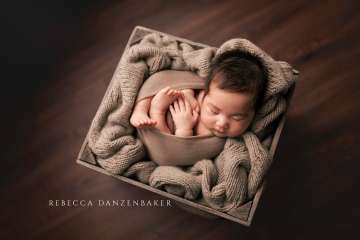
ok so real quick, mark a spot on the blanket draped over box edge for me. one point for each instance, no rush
(236, 173)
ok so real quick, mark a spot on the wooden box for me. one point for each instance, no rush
(246, 213)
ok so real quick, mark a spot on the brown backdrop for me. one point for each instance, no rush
(58, 59)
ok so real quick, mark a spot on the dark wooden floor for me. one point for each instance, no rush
(59, 59)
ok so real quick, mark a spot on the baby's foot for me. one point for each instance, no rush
(141, 120)
(189, 95)
(162, 100)
(147, 123)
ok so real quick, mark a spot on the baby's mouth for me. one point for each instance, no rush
(219, 133)
(219, 130)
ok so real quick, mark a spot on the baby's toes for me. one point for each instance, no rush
(137, 122)
(149, 122)
(141, 123)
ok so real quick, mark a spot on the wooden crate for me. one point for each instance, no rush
(244, 215)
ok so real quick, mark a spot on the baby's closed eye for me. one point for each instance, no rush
(212, 110)
(243, 115)
(238, 117)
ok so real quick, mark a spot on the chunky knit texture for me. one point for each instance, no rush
(224, 183)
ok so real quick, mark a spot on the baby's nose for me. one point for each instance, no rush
(222, 124)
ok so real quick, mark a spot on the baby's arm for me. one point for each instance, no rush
(184, 117)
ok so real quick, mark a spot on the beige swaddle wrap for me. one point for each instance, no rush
(167, 149)
(237, 172)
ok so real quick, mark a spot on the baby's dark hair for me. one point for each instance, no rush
(239, 72)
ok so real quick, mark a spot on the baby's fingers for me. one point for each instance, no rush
(195, 115)
(187, 105)
(197, 107)
(182, 105)
(172, 110)
(176, 106)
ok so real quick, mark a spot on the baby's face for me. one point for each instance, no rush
(226, 114)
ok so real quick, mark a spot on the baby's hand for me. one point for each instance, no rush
(184, 117)
(189, 95)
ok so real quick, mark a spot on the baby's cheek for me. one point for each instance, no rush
(236, 131)
(241, 126)
(205, 118)
(237, 128)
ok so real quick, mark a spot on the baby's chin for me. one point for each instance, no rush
(218, 134)
(225, 134)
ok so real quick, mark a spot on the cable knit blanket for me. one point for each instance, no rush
(224, 183)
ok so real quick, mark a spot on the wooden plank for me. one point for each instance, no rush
(162, 193)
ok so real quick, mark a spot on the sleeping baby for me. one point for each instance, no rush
(225, 108)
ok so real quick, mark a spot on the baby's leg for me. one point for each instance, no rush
(140, 117)
(160, 105)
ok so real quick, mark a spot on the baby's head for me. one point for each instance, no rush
(234, 91)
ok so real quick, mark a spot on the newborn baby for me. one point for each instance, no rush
(225, 108)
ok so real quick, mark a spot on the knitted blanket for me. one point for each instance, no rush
(224, 183)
